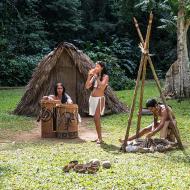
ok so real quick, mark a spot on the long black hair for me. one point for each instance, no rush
(64, 97)
(151, 103)
(104, 70)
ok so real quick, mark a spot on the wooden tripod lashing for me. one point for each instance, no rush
(145, 58)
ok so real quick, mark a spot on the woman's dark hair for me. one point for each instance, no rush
(104, 70)
(151, 103)
(64, 97)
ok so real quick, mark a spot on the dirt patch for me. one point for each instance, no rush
(85, 134)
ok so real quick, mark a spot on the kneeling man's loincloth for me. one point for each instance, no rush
(166, 132)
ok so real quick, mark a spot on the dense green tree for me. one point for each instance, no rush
(22, 28)
(21, 34)
(63, 19)
(104, 29)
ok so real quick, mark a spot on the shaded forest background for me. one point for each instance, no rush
(103, 29)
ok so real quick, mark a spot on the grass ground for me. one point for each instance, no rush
(38, 165)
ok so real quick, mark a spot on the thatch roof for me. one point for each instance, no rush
(46, 75)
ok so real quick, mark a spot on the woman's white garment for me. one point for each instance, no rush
(69, 100)
(93, 104)
(79, 118)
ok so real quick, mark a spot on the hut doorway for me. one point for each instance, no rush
(65, 71)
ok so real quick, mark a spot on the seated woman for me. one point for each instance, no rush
(59, 94)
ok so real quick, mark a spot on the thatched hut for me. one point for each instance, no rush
(69, 65)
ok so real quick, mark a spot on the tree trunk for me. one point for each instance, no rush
(178, 76)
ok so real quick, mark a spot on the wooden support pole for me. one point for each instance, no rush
(146, 46)
(133, 102)
(138, 30)
(175, 129)
(141, 97)
(137, 82)
(146, 43)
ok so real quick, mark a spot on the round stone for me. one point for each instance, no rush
(95, 161)
(106, 164)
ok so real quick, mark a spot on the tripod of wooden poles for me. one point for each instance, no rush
(145, 59)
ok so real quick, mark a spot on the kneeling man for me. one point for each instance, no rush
(164, 126)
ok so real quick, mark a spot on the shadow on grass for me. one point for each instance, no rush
(175, 155)
(180, 156)
(64, 141)
(110, 148)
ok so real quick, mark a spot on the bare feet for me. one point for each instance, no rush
(99, 141)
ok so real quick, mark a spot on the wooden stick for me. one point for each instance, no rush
(138, 30)
(175, 129)
(137, 82)
(141, 97)
(133, 101)
(146, 43)
(146, 46)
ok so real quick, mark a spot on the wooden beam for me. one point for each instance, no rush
(141, 97)
(175, 129)
(133, 102)
(137, 82)
(146, 46)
